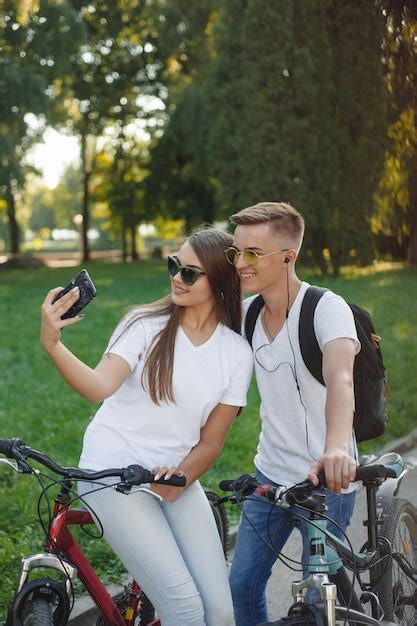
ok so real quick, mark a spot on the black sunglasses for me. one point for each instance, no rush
(189, 274)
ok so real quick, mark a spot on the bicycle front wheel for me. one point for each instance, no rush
(40, 602)
(222, 521)
(397, 592)
(38, 612)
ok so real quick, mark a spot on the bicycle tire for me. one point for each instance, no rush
(38, 612)
(147, 611)
(28, 604)
(400, 529)
(222, 520)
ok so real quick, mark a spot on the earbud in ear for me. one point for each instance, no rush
(287, 259)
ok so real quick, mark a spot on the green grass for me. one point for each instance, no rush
(35, 403)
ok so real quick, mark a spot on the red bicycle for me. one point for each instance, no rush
(48, 601)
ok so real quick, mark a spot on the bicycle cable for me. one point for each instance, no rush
(285, 559)
(281, 557)
(329, 534)
(44, 494)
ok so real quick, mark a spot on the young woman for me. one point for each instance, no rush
(173, 378)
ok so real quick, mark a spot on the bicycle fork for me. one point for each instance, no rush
(328, 593)
(323, 561)
(46, 561)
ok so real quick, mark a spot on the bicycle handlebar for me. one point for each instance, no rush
(245, 484)
(132, 475)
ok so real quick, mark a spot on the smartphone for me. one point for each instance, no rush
(87, 293)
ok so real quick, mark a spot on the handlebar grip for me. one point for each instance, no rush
(227, 485)
(244, 484)
(174, 481)
(138, 475)
(7, 446)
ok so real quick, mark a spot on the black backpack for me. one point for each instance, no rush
(369, 378)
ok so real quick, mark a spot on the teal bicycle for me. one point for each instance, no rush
(327, 595)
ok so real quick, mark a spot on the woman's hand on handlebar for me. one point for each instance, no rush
(168, 493)
(51, 322)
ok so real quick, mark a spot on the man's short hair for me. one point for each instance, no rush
(283, 217)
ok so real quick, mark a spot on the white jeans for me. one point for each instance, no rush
(172, 549)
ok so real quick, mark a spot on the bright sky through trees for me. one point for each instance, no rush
(52, 156)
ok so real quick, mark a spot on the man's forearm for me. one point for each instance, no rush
(339, 414)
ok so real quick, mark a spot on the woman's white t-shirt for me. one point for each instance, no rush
(130, 428)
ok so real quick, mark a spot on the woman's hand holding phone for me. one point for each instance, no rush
(52, 311)
(62, 307)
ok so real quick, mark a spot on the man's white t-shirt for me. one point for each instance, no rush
(293, 420)
(129, 428)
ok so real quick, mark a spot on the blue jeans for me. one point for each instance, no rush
(253, 560)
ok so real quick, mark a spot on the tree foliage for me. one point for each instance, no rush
(36, 46)
(238, 100)
(295, 84)
(178, 185)
(116, 67)
(118, 184)
(55, 208)
(395, 221)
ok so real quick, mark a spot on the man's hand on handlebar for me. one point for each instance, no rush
(339, 469)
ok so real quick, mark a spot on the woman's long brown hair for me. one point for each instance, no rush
(209, 245)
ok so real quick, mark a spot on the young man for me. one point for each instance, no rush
(306, 427)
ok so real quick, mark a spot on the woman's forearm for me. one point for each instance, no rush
(82, 378)
(199, 460)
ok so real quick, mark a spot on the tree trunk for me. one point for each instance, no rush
(11, 214)
(412, 255)
(317, 251)
(412, 251)
(188, 221)
(124, 243)
(134, 251)
(336, 262)
(365, 253)
(86, 198)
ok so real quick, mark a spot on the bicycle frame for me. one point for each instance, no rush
(327, 572)
(325, 563)
(75, 563)
(63, 553)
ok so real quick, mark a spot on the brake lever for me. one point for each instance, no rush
(127, 489)
(124, 487)
(19, 466)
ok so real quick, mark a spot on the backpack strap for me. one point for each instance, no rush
(252, 315)
(310, 350)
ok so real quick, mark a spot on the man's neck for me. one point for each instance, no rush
(280, 298)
